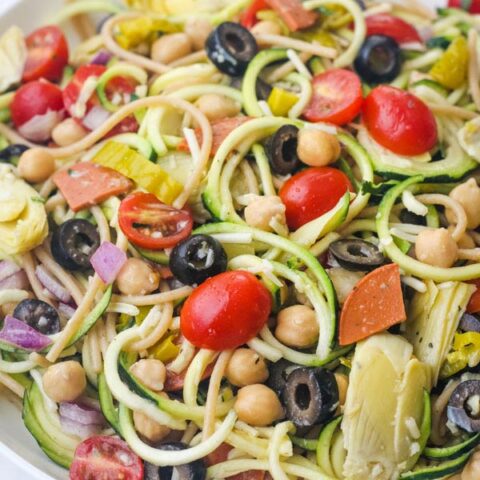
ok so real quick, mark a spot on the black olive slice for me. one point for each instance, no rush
(191, 471)
(74, 243)
(231, 47)
(279, 372)
(459, 411)
(197, 258)
(379, 59)
(282, 150)
(469, 323)
(357, 255)
(39, 315)
(12, 153)
(411, 218)
(310, 396)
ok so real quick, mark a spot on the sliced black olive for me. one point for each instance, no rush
(279, 372)
(282, 150)
(310, 396)
(12, 153)
(197, 258)
(469, 323)
(191, 471)
(411, 218)
(357, 255)
(39, 315)
(379, 59)
(74, 243)
(459, 411)
(231, 47)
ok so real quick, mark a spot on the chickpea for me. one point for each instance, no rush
(137, 278)
(246, 367)
(266, 27)
(437, 248)
(261, 211)
(65, 381)
(258, 405)
(471, 471)
(342, 384)
(67, 132)
(466, 241)
(152, 373)
(198, 29)
(171, 47)
(36, 165)
(297, 326)
(317, 148)
(468, 196)
(148, 428)
(215, 107)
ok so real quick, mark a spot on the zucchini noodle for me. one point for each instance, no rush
(305, 94)
(265, 350)
(16, 367)
(473, 73)
(85, 6)
(279, 432)
(194, 375)
(287, 42)
(14, 386)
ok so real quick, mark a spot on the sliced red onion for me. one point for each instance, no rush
(79, 430)
(96, 117)
(39, 128)
(57, 290)
(426, 33)
(66, 310)
(17, 281)
(414, 46)
(107, 261)
(101, 58)
(8, 268)
(20, 334)
(82, 413)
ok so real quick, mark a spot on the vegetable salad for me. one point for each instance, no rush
(240, 239)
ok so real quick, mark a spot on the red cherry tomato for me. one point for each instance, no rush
(47, 54)
(311, 193)
(149, 223)
(35, 98)
(394, 27)
(226, 311)
(74, 87)
(106, 458)
(472, 6)
(337, 97)
(249, 17)
(399, 121)
(474, 303)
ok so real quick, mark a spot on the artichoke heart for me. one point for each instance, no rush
(13, 55)
(383, 409)
(23, 220)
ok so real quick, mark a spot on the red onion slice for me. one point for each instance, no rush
(83, 431)
(39, 128)
(18, 281)
(8, 268)
(95, 118)
(81, 413)
(66, 310)
(57, 290)
(20, 334)
(107, 261)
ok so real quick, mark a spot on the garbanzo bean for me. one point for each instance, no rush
(471, 471)
(67, 132)
(266, 27)
(198, 29)
(297, 326)
(171, 47)
(151, 372)
(148, 428)
(436, 247)
(137, 278)
(36, 165)
(467, 195)
(258, 405)
(65, 381)
(246, 367)
(261, 211)
(317, 148)
(216, 107)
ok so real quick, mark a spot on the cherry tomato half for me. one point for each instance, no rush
(474, 303)
(35, 98)
(72, 91)
(311, 193)
(47, 54)
(106, 458)
(399, 121)
(226, 311)
(394, 27)
(337, 97)
(149, 223)
(249, 17)
(472, 6)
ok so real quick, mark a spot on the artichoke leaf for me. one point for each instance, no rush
(13, 55)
